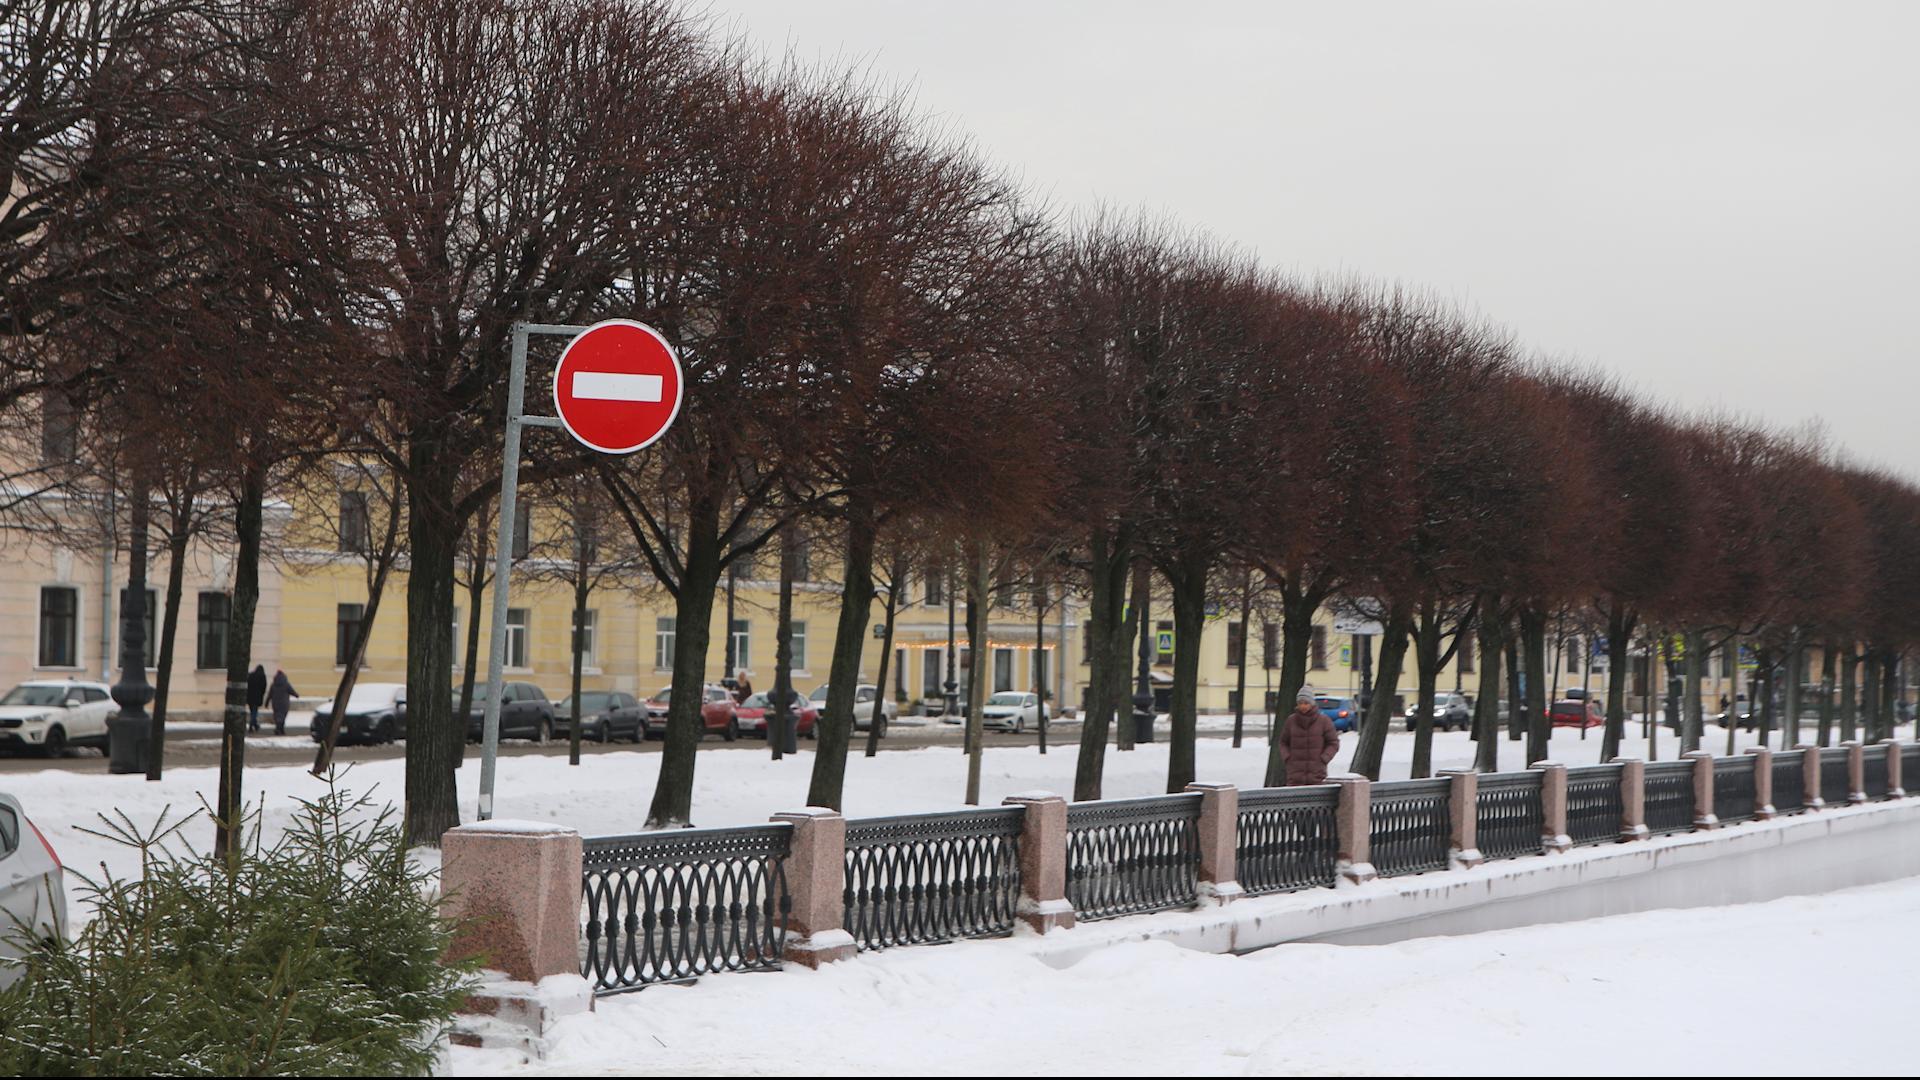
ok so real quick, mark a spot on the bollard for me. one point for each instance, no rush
(1219, 842)
(1355, 826)
(1762, 782)
(816, 882)
(1463, 813)
(1043, 861)
(1633, 798)
(1703, 815)
(1553, 808)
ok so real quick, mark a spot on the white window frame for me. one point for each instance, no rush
(742, 631)
(665, 638)
(519, 639)
(590, 640)
(40, 629)
(797, 638)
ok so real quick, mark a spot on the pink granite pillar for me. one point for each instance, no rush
(816, 884)
(1355, 826)
(1895, 787)
(1553, 807)
(1219, 842)
(1633, 798)
(1703, 815)
(1856, 771)
(1043, 862)
(513, 891)
(1463, 804)
(1762, 782)
(1810, 772)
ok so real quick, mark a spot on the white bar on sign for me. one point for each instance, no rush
(617, 386)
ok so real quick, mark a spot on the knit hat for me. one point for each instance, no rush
(1303, 698)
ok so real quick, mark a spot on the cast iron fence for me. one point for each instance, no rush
(1669, 796)
(672, 906)
(1733, 788)
(916, 879)
(1874, 777)
(1410, 826)
(1131, 856)
(1789, 781)
(1287, 838)
(1594, 811)
(1508, 820)
(1835, 784)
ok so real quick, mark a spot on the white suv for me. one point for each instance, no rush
(33, 898)
(49, 715)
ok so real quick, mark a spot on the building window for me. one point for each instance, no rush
(1466, 653)
(936, 589)
(1163, 643)
(1319, 648)
(346, 626)
(586, 638)
(663, 643)
(523, 528)
(1002, 670)
(517, 621)
(353, 522)
(797, 640)
(59, 626)
(1269, 645)
(931, 661)
(742, 655)
(59, 437)
(1573, 655)
(1236, 644)
(146, 649)
(211, 648)
(899, 674)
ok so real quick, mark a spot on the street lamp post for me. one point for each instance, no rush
(127, 734)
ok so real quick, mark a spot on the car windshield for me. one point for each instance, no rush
(820, 694)
(1007, 699)
(661, 697)
(371, 697)
(597, 699)
(35, 695)
(757, 701)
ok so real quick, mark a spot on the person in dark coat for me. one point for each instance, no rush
(256, 695)
(1307, 743)
(742, 686)
(280, 696)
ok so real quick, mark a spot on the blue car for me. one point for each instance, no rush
(1344, 712)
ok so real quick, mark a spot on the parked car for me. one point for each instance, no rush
(758, 709)
(525, 712)
(1344, 712)
(1579, 714)
(605, 715)
(718, 714)
(864, 697)
(50, 715)
(1449, 711)
(375, 713)
(33, 894)
(1011, 710)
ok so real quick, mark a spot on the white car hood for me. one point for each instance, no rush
(27, 712)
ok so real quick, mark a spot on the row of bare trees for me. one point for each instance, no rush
(252, 239)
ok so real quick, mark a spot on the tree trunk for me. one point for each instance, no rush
(1826, 693)
(1690, 713)
(1296, 642)
(672, 805)
(1796, 663)
(1240, 667)
(169, 627)
(476, 596)
(1486, 709)
(246, 599)
(1188, 581)
(1372, 744)
(1140, 620)
(836, 723)
(1516, 692)
(1107, 583)
(1620, 623)
(1426, 663)
(978, 596)
(1870, 695)
(580, 586)
(1533, 632)
(783, 652)
(1765, 717)
(1849, 695)
(434, 735)
(877, 729)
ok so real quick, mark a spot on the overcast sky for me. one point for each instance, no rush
(1720, 202)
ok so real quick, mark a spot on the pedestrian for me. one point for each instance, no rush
(1307, 743)
(256, 695)
(742, 686)
(281, 696)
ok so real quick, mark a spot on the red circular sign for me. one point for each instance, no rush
(617, 387)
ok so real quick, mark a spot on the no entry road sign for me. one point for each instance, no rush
(617, 387)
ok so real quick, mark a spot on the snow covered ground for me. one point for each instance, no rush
(608, 793)
(1658, 993)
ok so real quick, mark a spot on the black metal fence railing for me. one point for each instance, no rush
(1594, 811)
(1508, 820)
(1669, 796)
(1410, 827)
(1733, 788)
(1835, 784)
(923, 878)
(1131, 856)
(1874, 776)
(1287, 838)
(1789, 781)
(672, 906)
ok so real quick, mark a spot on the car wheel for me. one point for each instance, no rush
(814, 731)
(544, 733)
(1019, 725)
(733, 729)
(606, 732)
(385, 732)
(56, 744)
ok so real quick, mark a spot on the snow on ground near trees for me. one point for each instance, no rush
(1657, 993)
(608, 793)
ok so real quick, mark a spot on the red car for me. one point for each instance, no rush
(756, 710)
(716, 711)
(1577, 714)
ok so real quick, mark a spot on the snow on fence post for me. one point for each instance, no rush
(1463, 813)
(1219, 842)
(1633, 798)
(1810, 773)
(1762, 782)
(513, 889)
(1354, 860)
(1043, 861)
(1553, 808)
(1703, 815)
(1856, 771)
(1895, 789)
(816, 882)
